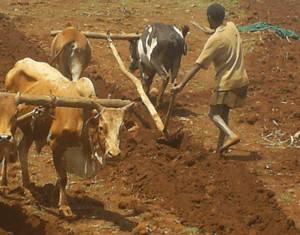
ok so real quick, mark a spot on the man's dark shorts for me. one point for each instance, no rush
(232, 98)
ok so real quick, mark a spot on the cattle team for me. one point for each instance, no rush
(82, 138)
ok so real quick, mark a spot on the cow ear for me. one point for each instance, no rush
(185, 29)
(128, 106)
(93, 120)
(94, 112)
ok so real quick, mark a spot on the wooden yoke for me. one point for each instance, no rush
(61, 101)
(140, 89)
(121, 36)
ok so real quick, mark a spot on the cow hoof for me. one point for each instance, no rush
(4, 190)
(26, 184)
(158, 104)
(65, 212)
(3, 182)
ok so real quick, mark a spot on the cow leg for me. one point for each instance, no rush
(165, 81)
(23, 147)
(161, 70)
(148, 82)
(147, 74)
(60, 167)
(175, 69)
(4, 172)
(13, 156)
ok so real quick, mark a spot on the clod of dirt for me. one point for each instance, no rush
(140, 209)
(123, 205)
(141, 229)
(190, 161)
(252, 220)
(174, 140)
(252, 119)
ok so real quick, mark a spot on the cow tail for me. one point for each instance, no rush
(55, 57)
(73, 46)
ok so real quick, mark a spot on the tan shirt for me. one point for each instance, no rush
(224, 48)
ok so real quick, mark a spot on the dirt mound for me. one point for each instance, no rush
(15, 218)
(15, 46)
(205, 191)
(273, 68)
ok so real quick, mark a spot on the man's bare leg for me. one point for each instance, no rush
(219, 115)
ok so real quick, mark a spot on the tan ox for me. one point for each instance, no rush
(76, 137)
(8, 145)
(72, 52)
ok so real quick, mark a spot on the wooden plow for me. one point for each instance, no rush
(159, 124)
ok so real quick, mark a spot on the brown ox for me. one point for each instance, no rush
(71, 132)
(8, 145)
(72, 52)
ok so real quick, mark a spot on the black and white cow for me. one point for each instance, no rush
(159, 50)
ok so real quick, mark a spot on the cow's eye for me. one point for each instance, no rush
(101, 128)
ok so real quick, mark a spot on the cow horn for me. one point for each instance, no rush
(128, 106)
(18, 97)
(99, 107)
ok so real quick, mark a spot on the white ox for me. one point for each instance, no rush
(159, 50)
(72, 52)
(75, 135)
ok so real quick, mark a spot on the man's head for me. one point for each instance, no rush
(215, 15)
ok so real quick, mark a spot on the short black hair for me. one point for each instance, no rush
(216, 12)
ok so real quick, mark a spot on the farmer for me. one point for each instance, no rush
(224, 48)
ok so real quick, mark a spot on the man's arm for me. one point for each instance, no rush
(195, 69)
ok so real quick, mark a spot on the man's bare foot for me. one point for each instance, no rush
(234, 139)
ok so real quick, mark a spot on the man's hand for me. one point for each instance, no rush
(176, 89)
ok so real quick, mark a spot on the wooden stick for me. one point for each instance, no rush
(28, 116)
(61, 101)
(121, 36)
(204, 29)
(139, 87)
(170, 110)
(25, 117)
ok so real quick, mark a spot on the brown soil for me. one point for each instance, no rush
(182, 188)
